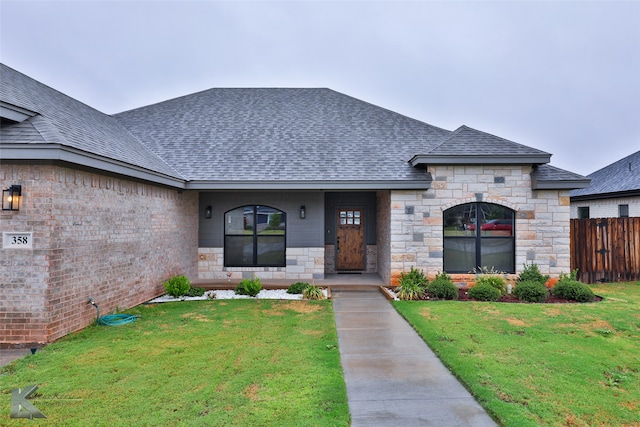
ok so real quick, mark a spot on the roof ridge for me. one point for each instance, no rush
(44, 127)
(150, 151)
(49, 88)
(388, 110)
(203, 91)
(446, 138)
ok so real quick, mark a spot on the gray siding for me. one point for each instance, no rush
(301, 233)
(366, 200)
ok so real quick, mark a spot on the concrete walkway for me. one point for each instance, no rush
(393, 378)
(8, 355)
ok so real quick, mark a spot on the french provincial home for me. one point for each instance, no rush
(284, 184)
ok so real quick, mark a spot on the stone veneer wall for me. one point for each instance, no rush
(542, 218)
(95, 236)
(302, 264)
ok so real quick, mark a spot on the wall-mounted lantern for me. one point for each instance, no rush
(11, 198)
(303, 212)
(207, 212)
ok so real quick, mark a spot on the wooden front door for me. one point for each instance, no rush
(350, 239)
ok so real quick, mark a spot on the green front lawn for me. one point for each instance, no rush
(205, 363)
(542, 364)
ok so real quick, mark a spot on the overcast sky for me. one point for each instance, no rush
(563, 77)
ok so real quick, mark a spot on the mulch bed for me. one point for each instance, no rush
(463, 296)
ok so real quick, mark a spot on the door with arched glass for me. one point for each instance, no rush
(479, 235)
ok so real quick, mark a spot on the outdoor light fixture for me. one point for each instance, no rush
(303, 212)
(11, 198)
(207, 212)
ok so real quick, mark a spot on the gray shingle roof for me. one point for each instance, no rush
(282, 135)
(65, 121)
(622, 176)
(25, 132)
(466, 145)
(249, 138)
(551, 177)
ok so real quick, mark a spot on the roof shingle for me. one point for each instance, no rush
(280, 135)
(261, 137)
(68, 122)
(620, 176)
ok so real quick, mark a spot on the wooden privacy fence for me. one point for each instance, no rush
(606, 249)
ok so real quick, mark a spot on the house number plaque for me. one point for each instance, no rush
(17, 240)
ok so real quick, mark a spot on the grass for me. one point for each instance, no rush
(205, 363)
(542, 365)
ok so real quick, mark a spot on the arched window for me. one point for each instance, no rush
(254, 236)
(478, 235)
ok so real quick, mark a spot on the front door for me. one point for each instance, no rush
(350, 239)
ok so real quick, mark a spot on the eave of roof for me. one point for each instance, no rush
(308, 185)
(547, 177)
(14, 113)
(63, 153)
(547, 184)
(600, 196)
(477, 159)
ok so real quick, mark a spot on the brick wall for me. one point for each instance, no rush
(383, 235)
(330, 259)
(542, 217)
(93, 236)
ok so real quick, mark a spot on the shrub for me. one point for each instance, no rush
(177, 286)
(531, 273)
(409, 291)
(531, 291)
(249, 287)
(573, 290)
(195, 291)
(312, 292)
(484, 292)
(494, 281)
(411, 285)
(414, 276)
(486, 270)
(573, 276)
(297, 288)
(442, 287)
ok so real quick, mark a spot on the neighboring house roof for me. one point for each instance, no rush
(619, 179)
(264, 138)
